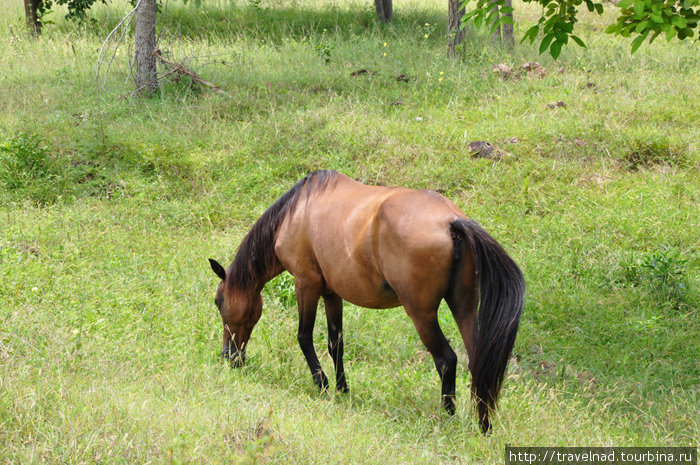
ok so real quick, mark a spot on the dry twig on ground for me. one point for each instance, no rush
(182, 69)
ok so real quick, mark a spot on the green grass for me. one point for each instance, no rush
(109, 208)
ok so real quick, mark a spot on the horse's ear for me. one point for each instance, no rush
(218, 269)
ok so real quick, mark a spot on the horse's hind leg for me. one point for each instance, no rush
(464, 313)
(443, 355)
(334, 316)
(462, 298)
(308, 294)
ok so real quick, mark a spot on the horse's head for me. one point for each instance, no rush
(239, 313)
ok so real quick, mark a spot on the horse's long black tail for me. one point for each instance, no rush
(501, 290)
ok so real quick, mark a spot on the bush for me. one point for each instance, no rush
(24, 161)
(26, 170)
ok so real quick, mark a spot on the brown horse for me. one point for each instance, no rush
(379, 247)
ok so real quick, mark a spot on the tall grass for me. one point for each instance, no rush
(109, 208)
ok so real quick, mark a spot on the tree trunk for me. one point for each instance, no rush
(455, 33)
(385, 10)
(388, 10)
(496, 34)
(31, 8)
(508, 28)
(145, 44)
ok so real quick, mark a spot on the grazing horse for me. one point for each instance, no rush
(379, 247)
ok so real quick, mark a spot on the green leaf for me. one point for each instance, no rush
(624, 4)
(636, 43)
(507, 9)
(545, 42)
(656, 18)
(639, 7)
(578, 41)
(599, 8)
(670, 34)
(589, 5)
(555, 49)
(612, 29)
(491, 18)
(680, 22)
(641, 26)
(531, 34)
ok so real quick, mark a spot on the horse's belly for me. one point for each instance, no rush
(367, 300)
(361, 288)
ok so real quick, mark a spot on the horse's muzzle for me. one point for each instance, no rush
(236, 357)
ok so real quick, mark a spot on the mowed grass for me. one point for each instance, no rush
(110, 206)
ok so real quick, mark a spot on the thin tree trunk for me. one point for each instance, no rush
(455, 34)
(30, 12)
(388, 10)
(496, 34)
(385, 10)
(508, 28)
(145, 44)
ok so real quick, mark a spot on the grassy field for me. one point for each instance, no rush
(110, 206)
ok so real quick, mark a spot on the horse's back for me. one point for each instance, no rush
(373, 246)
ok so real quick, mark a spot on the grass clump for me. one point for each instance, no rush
(26, 169)
(645, 154)
(663, 269)
(110, 207)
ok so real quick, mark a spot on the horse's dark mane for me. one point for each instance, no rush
(256, 254)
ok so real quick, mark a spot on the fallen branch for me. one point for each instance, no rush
(180, 68)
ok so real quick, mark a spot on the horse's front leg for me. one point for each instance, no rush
(308, 294)
(334, 316)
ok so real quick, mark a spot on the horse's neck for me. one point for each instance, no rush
(258, 286)
(271, 273)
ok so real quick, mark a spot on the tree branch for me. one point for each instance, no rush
(180, 68)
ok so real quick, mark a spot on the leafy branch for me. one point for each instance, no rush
(651, 18)
(640, 18)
